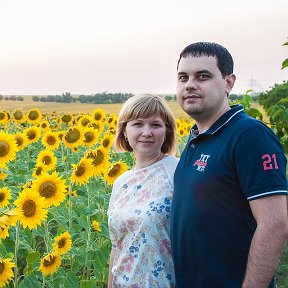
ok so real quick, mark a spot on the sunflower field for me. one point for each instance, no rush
(56, 176)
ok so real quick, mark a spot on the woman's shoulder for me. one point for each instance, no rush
(170, 160)
(121, 179)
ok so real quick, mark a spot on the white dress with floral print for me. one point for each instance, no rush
(138, 218)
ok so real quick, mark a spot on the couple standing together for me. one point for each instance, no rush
(217, 217)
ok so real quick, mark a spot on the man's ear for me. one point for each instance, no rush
(230, 80)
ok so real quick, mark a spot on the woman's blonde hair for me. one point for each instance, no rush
(145, 106)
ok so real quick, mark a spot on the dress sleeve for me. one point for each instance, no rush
(170, 166)
(260, 163)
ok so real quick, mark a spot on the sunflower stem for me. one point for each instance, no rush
(46, 240)
(88, 232)
(70, 217)
(16, 253)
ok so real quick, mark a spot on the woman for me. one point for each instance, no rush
(139, 208)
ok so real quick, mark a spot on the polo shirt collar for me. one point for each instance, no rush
(222, 121)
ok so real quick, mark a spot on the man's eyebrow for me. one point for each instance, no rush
(204, 72)
(182, 73)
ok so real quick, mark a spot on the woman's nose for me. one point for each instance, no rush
(146, 131)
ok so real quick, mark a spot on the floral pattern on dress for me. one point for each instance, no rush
(138, 217)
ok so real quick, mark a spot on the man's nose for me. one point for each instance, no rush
(190, 84)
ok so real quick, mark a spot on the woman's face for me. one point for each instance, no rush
(146, 135)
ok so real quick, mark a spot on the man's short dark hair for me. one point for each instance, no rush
(224, 59)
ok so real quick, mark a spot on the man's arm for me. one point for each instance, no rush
(267, 244)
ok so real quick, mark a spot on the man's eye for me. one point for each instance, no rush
(203, 77)
(182, 78)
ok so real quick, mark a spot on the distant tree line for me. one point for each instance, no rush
(98, 98)
(12, 97)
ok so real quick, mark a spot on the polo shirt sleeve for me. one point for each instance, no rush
(260, 163)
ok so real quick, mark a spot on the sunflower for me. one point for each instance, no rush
(6, 271)
(96, 226)
(32, 206)
(67, 118)
(18, 115)
(3, 117)
(112, 119)
(82, 171)
(50, 263)
(84, 121)
(33, 116)
(46, 159)
(4, 232)
(114, 171)
(181, 131)
(99, 159)
(62, 243)
(33, 134)
(51, 187)
(107, 141)
(73, 137)
(98, 115)
(5, 196)
(10, 217)
(90, 136)
(3, 175)
(51, 140)
(38, 170)
(21, 140)
(8, 148)
(44, 125)
(98, 126)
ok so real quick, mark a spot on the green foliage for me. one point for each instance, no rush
(247, 102)
(285, 62)
(275, 102)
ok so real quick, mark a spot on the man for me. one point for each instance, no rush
(229, 213)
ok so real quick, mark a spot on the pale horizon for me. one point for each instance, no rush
(90, 46)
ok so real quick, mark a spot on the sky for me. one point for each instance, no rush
(50, 47)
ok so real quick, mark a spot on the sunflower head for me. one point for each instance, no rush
(5, 196)
(90, 136)
(73, 137)
(63, 243)
(114, 171)
(51, 140)
(82, 171)
(50, 263)
(96, 226)
(99, 159)
(33, 134)
(98, 115)
(46, 159)
(18, 115)
(51, 187)
(107, 141)
(21, 140)
(8, 148)
(34, 116)
(32, 207)
(6, 271)
(66, 118)
(3, 117)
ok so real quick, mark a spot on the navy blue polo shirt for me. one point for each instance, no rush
(237, 160)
